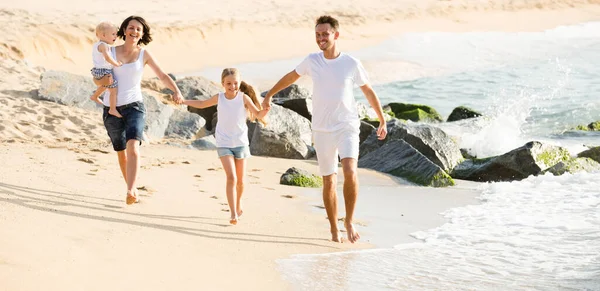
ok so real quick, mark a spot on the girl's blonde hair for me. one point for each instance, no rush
(248, 90)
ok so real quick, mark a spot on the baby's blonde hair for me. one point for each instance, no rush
(248, 90)
(104, 26)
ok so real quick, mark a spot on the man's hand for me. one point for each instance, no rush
(266, 104)
(382, 130)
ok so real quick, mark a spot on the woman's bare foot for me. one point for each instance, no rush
(233, 220)
(353, 235)
(131, 198)
(114, 112)
(239, 213)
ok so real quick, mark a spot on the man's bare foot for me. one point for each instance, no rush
(353, 235)
(114, 112)
(336, 237)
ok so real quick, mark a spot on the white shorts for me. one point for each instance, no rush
(329, 145)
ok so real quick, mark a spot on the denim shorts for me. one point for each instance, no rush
(131, 126)
(241, 152)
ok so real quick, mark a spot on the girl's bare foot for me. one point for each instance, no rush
(114, 112)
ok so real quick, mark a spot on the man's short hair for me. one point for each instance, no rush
(328, 19)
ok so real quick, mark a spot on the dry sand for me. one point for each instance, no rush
(63, 223)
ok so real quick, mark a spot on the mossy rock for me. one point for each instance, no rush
(593, 153)
(414, 112)
(441, 179)
(553, 156)
(462, 112)
(594, 126)
(301, 178)
(574, 166)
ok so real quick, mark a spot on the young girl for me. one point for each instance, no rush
(231, 133)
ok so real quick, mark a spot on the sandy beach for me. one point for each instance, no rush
(63, 221)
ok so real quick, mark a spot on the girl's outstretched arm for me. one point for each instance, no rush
(203, 103)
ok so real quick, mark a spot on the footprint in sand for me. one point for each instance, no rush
(269, 188)
(214, 197)
(146, 189)
(288, 196)
(256, 170)
(87, 160)
(225, 210)
(223, 203)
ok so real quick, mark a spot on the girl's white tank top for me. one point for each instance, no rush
(231, 130)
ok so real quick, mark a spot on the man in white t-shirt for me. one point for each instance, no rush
(335, 121)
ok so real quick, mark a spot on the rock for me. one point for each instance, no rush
(414, 112)
(593, 153)
(400, 159)
(462, 112)
(291, 92)
(68, 89)
(531, 159)
(287, 135)
(430, 141)
(158, 116)
(594, 126)
(200, 88)
(184, 124)
(298, 177)
(205, 143)
(300, 106)
(574, 166)
(365, 130)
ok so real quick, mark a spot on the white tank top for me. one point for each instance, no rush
(232, 130)
(129, 76)
(98, 57)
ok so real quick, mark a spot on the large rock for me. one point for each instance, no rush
(158, 116)
(287, 135)
(531, 159)
(462, 112)
(430, 141)
(300, 106)
(365, 131)
(291, 92)
(402, 160)
(68, 89)
(593, 153)
(594, 126)
(574, 166)
(205, 143)
(200, 88)
(414, 112)
(184, 124)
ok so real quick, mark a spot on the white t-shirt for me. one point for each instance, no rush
(231, 130)
(334, 107)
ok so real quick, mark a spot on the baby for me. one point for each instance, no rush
(104, 64)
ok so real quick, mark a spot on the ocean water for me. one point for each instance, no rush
(542, 233)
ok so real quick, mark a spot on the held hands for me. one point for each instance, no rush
(177, 98)
(382, 130)
(266, 104)
(119, 63)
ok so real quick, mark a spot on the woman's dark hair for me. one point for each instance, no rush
(146, 37)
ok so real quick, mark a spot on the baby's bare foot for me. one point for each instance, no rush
(114, 112)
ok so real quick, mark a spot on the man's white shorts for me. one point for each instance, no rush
(329, 145)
